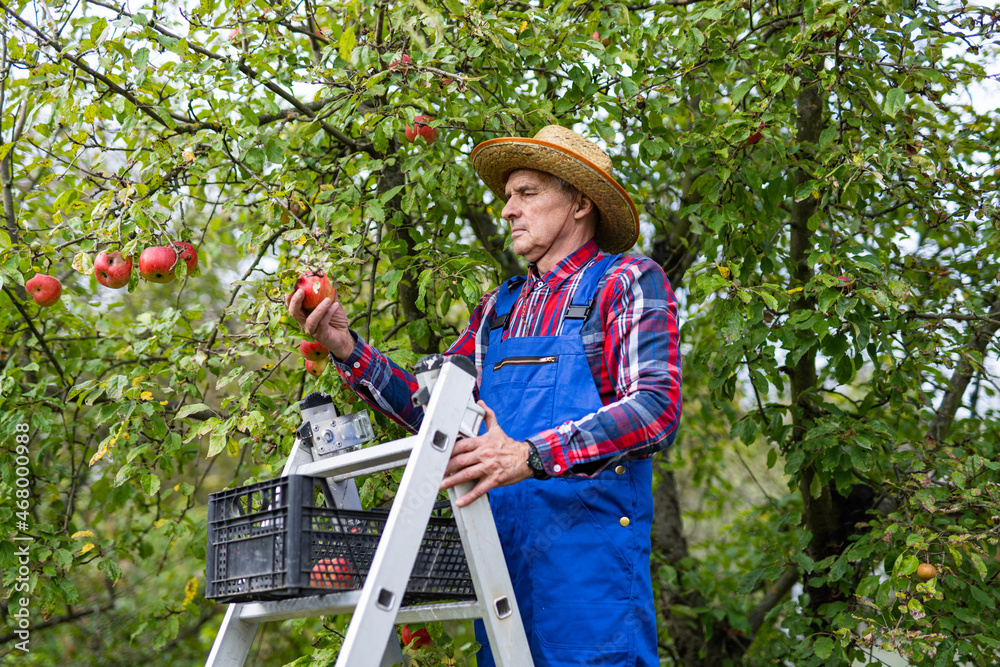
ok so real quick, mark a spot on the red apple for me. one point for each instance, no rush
(421, 128)
(188, 253)
(316, 368)
(112, 270)
(313, 351)
(846, 284)
(754, 138)
(418, 639)
(156, 263)
(332, 573)
(317, 287)
(44, 289)
(403, 63)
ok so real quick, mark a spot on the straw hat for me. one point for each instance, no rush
(564, 153)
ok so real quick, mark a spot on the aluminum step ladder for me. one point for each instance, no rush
(323, 449)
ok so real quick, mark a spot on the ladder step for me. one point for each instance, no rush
(330, 604)
(333, 604)
(362, 461)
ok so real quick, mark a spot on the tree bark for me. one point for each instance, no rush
(960, 378)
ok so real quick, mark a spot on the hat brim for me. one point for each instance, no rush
(495, 159)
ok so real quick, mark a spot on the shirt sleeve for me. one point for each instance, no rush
(641, 377)
(385, 386)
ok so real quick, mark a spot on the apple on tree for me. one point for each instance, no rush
(44, 289)
(157, 264)
(112, 270)
(313, 351)
(420, 128)
(187, 252)
(418, 639)
(316, 287)
(316, 368)
(405, 62)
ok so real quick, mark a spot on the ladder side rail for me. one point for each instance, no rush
(232, 643)
(392, 564)
(491, 579)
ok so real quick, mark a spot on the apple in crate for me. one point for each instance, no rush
(332, 573)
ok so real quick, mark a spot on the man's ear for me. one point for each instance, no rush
(584, 206)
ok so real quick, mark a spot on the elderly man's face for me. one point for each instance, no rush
(546, 223)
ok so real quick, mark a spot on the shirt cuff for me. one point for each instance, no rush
(355, 366)
(551, 451)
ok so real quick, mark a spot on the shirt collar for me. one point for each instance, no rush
(568, 266)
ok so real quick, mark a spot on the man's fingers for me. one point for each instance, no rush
(477, 491)
(462, 475)
(316, 318)
(294, 304)
(464, 445)
(460, 462)
(491, 418)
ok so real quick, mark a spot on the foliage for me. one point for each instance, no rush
(811, 177)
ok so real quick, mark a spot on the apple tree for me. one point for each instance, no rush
(816, 178)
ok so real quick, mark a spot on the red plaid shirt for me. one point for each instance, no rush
(632, 348)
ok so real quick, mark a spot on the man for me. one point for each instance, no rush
(579, 372)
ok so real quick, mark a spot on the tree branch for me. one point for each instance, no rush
(37, 334)
(952, 399)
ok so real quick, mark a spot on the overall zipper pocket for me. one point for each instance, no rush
(524, 361)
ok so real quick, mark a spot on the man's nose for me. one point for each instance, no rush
(510, 210)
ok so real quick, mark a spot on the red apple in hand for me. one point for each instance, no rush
(313, 351)
(44, 289)
(419, 639)
(316, 368)
(332, 573)
(113, 270)
(317, 287)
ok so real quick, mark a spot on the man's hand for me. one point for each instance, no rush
(327, 324)
(492, 460)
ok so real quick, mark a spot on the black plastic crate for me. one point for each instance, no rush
(283, 538)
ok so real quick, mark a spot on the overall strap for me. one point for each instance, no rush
(586, 295)
(506, 298)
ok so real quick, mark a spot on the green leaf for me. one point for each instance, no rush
(217, 442)
(894, 100)
(190, 409)
(347, 43)
(741, 90)
(150, 484)
(823, 648)
(905, 565)
(978, 563)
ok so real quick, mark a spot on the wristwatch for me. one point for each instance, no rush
(535, 463)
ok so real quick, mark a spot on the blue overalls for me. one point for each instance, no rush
(577, 549)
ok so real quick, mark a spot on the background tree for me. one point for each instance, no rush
(812, 176)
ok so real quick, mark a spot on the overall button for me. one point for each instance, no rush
(624, 521)
(557, 468)
(620, 470)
